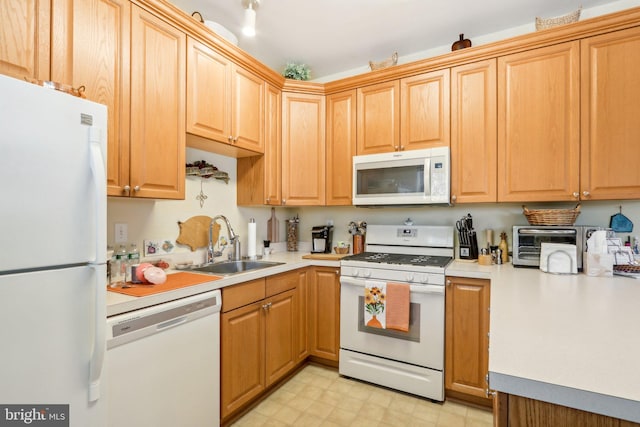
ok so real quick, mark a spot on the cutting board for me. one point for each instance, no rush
(194, 232)
(332, 257)
(174, 281)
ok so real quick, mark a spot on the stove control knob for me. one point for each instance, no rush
(409, 277)
(424, 278)
(366, 273)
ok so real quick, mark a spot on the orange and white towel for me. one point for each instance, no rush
(397, 304)
(374, 304)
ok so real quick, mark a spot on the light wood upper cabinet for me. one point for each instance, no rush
(474, 133)
(303, 149)
(466, 338)
(158, 83)
(539, 124)
(424, 114)
(378, 122)
(260, 177)
(225, 103)
(610, 116)
(341, 147)
(90, 47)
(25, 38)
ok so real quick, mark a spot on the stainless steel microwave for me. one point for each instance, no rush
(414, 177)
(527, 242)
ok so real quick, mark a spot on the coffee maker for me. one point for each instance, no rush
(321, 239)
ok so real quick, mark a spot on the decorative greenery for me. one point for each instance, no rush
(297, 71)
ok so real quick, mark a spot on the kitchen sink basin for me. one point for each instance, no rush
(227, 268)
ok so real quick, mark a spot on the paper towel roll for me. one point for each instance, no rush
(251, 239)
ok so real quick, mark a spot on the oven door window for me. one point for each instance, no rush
(382, 180)
(414, 324)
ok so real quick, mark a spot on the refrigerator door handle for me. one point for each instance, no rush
(100, 339)
(97, 166)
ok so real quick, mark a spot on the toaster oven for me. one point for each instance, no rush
(528, 240)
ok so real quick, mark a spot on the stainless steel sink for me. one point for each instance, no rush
(227, 268)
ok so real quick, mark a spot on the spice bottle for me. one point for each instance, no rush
(504, 248)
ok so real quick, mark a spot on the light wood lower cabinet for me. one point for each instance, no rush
(25, 38)
(260, 337)
(466, 339)
(324, 312)
(517, 411)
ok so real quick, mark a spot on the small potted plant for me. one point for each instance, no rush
(296, 71)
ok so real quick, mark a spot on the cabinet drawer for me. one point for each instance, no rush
(282, 282)
(242, 294)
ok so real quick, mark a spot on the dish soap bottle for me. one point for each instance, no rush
(504, 247)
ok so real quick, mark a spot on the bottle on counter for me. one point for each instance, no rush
(504, 248)
(133, 258)
(119, 266)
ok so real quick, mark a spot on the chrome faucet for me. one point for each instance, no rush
(234, 241)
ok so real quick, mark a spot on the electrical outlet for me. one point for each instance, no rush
(121, 233)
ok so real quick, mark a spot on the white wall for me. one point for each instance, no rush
(479, 40)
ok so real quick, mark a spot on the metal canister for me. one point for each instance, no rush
(134, 275)
(498, 256)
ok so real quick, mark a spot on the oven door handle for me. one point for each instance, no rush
(419, 289)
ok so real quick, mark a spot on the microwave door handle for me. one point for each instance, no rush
(427, 178)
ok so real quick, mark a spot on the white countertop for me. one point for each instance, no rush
(119, 303)
(572, 340)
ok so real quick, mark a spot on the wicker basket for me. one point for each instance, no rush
(544, 23)
(551, 216)
(384, 64)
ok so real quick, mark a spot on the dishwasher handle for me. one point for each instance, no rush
(138, 324)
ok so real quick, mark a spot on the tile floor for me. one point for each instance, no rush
(318, 396)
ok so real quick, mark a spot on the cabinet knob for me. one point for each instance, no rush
(401, 148)
(585, 193)
(575, 194)
(266, 306)
(126, 188)
(284, 201)
(230, 138)
(454, 198)
(136, 188)
(396, 148)
(235, 140)
(268, 200)
(448, 282)
(337, 272)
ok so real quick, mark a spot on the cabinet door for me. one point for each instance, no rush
(341, 146)
(90, 48)
(538, 124)
(302, 309)
(260, 177)
(242, 356)
(208, 92)
(157, 107)
(425, 110)
(25, 38)
(247, 118)
(610, 110)
(281, 332)
(378, 118)
(474, 133)
(466, 336)
(324, 313)
(303, 149)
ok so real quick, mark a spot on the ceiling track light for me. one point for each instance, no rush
(249, 24)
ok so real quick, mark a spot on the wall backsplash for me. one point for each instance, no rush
(158, 219)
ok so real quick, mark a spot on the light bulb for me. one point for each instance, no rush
(249, 28)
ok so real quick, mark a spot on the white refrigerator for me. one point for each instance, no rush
(52, 256)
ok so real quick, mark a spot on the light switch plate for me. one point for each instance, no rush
(122, 233)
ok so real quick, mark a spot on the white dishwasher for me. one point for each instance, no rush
(163, 364)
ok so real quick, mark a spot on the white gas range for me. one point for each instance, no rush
(411, 361)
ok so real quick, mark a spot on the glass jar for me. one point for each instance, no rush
(292, 234)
